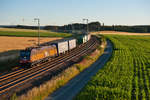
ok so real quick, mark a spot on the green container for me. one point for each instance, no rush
(81, 39)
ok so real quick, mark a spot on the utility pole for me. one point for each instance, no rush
(72, 27)
(87, 25)
(87, 29)
(37, 19)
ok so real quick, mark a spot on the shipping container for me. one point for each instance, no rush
(85, 38)
(71, 43)
(89, 37)
(80, 39)
(62, 46)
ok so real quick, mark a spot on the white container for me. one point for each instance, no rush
(89, 37)
(72, 43)
(85, 38)
(62, 46)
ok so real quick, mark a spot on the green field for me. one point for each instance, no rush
(127, 74)
(30, 33)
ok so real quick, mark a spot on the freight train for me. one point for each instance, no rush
(35, 55)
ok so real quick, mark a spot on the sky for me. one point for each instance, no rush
(60, 12)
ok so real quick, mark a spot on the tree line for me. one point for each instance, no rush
(97, 26)
(93, 26)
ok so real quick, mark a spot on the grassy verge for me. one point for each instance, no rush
(33, 34)
(40, 93)
(126, 76)
(30, 33)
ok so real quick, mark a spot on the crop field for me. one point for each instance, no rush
(119, 33)
(16, 43)
(30, 33)
(127, 74)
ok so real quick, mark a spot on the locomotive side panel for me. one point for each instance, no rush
(41, 53)
(53, 51)
(36, 54)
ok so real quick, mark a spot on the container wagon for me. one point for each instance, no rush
(89, 36)
(71, 43)
(62, 46)
(81, 39)
(85, 38)
(33, 56)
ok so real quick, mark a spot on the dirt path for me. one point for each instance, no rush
(73, 87)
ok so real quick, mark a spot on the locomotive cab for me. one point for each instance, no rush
(25, 57)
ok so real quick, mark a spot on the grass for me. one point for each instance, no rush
(41, 92)
(30, 33)
(126, 76)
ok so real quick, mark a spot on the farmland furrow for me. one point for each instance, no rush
(127, 75)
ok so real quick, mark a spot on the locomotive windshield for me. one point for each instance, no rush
(24, 54)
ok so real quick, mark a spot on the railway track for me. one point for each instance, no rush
(21, 71)
(11, 80)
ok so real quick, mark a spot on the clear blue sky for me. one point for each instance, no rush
(60, 12)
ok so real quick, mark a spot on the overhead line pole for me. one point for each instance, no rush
(38, 30)
(87, 25)
(72, 27)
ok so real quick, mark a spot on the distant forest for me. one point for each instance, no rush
(93, 26)
(96, 26)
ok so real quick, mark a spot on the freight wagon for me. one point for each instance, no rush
(82, 39)
(85, 38)
(62, 46)
(71, 43)
(88, 37)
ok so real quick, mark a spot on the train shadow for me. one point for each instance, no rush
(8, 60)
